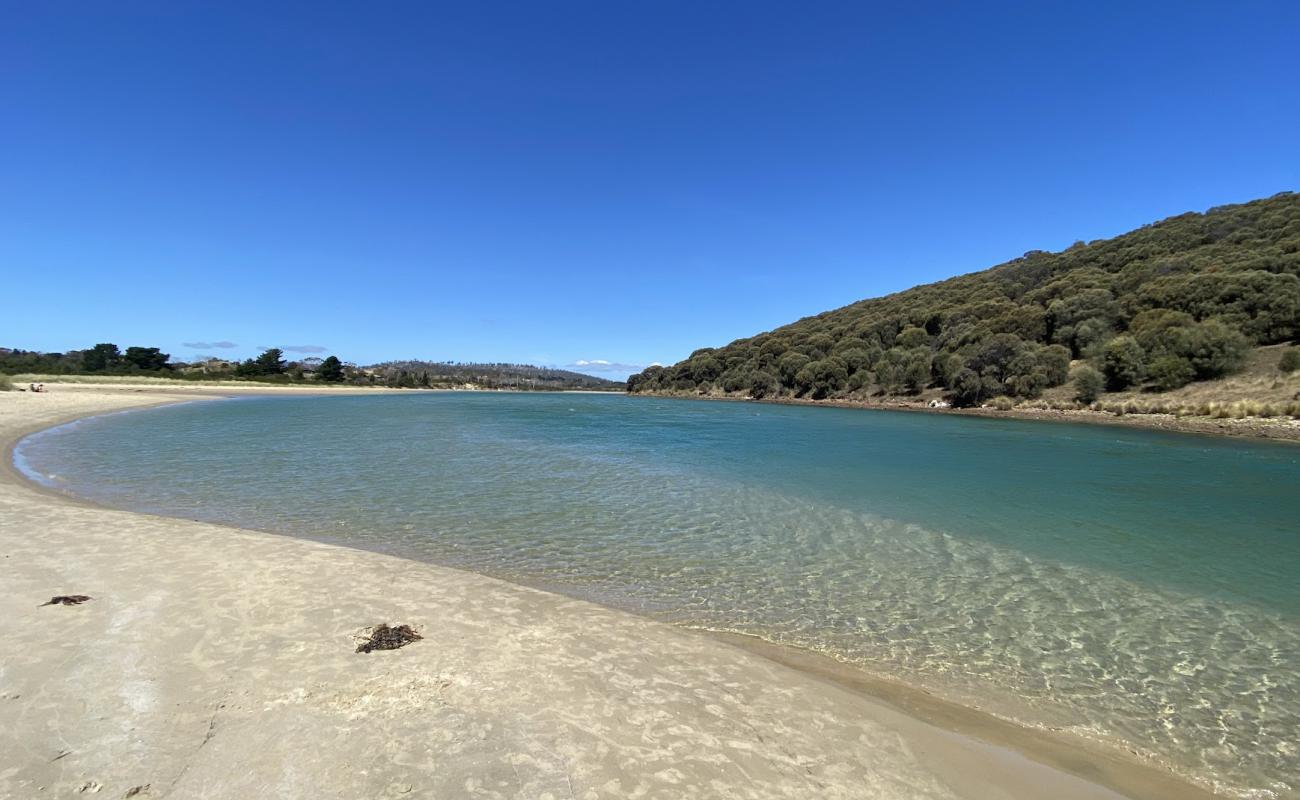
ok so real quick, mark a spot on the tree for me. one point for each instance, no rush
(967, 388)
(1170, 372)
(1122, 362)
(101, 357)
(822, 378)
(1217, 349)
(912, 338)
(331, 370)
(1088, 384)
(855, 359)
(1290, 361)
(1082, 318)
(1054, 361)
(705, 369)
(947, 367)
(762, 384)
(150, 359)
(790, 365)
(270, 362)
(916, 368)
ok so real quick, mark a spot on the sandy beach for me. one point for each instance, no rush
(213, 662)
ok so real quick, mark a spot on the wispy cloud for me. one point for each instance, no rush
(210, 345)
(298, 348)
(603, 366)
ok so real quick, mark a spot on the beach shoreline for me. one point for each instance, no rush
(1272, 429)
(973, 756)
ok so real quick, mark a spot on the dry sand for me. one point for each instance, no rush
(219, 663)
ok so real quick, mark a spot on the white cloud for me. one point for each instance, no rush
(603, 366)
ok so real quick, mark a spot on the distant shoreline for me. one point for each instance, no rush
(1272, 429)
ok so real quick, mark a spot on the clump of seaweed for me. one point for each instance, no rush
(66, 600)
(383, 637)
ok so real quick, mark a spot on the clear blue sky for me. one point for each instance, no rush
(569, 182)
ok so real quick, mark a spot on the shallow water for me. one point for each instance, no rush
(1126, 585)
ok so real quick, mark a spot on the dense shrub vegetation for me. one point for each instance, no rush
(1178, 301)
(1290, 361)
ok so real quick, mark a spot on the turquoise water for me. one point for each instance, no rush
(1128, 586)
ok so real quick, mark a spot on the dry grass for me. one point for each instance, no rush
(1258, 391)
(33, 377)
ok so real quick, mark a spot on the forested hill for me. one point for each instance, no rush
(1170, 303)
(487, 376)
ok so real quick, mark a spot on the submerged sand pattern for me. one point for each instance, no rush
(220, 663)
(525, 489)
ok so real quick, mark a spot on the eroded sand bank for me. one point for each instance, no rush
(219, 663)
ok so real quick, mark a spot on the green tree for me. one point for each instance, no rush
(1170, 372)
(101, 357)
(270, 362)
(1290, 361)
(331, 370)
(150, 359)
(790, 365)
(855, 359)
(912, 338)
(734, 380)
(1217, 349)
(1122, 361)
(968, 388)
(821, 378)
(1082, 318)
(916, 368)
(762, 384)
(946, 368)
(1088, 384)
(891, 370)
(1054, 361)
(705, 369)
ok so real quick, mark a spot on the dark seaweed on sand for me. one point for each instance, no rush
(382, 637)
(66, 600)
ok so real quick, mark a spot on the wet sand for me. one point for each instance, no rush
(216, 662)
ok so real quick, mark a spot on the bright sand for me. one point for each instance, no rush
(215, 662)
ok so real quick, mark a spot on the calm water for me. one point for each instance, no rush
(1121, 584)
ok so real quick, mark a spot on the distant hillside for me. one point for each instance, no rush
(486, 376)
(1155, 309)
(108, 360)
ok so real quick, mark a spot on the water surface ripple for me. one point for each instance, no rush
(1128, 586)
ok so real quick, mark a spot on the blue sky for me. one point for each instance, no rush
(566, 183)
